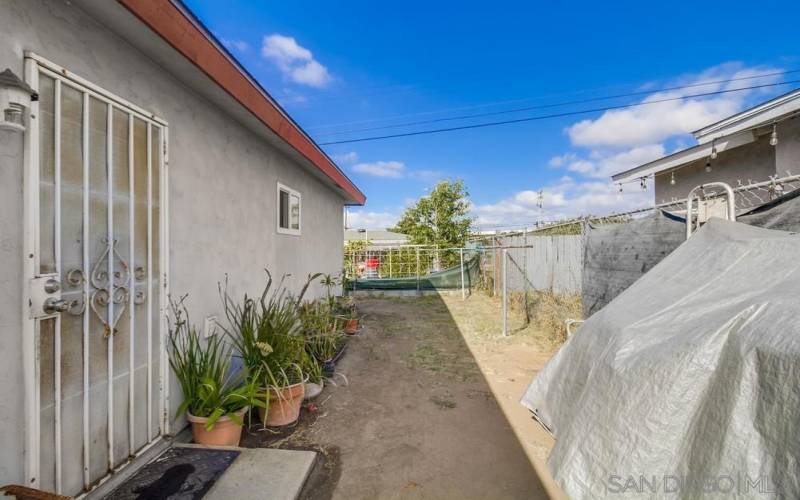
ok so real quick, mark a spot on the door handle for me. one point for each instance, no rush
(54, 305)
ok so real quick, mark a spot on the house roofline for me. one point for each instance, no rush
(181, 29)
(685, 156)
(731, 132)
(775, 109)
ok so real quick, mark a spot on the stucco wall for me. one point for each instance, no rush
(755, 161)
(11, 395)
(787, 153)
(222, 189)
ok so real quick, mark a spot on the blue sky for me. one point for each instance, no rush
(338, 67)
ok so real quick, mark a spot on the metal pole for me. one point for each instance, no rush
(463, 291)
(525, 275)
(418, 269)
(57, 244)
(494, 270)
(110, 237)
(505, 293)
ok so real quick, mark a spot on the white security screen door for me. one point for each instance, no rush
(96, 281)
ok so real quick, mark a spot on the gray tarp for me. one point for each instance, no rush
(782, 213)
(689, 379)
(616, 255)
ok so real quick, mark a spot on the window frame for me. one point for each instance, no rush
(291, 192)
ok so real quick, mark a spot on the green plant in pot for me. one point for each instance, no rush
(267, 333)
(322, 331)
(214, 400)
(330, 282)
(351, 321)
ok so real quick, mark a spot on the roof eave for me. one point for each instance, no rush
(680, 158)
(189, 38)
(765, 113)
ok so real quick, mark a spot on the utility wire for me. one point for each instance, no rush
(555, 115)
(544, 106)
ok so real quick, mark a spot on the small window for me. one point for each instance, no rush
(288, 210)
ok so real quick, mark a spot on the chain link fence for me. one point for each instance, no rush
(538, 274)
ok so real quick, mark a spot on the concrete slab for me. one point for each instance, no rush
(264, 474)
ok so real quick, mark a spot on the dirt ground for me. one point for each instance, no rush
(428, 407)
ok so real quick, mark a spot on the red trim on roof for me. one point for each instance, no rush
(172, 25)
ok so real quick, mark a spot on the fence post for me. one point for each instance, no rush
(494, 271)
(525, 276)
(505, 292)
(418, 269)
(463, 291)
(390, 264)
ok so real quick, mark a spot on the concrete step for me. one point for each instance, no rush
(263, 474)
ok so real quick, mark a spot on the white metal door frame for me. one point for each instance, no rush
(34, 65)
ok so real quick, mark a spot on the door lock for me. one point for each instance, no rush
(52, 285)
(53, 305)
(45, 296)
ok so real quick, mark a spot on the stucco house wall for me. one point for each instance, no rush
(787, 152)
(222, 181)
(754, 161)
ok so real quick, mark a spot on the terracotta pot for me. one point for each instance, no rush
(284, 405)
(225, 432)
(351, 327)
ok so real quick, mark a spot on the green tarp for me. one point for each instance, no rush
(449, 278)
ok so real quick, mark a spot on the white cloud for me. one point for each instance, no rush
(392, 169)
(582, 167)
(239, 45)
(558, 161)
(604, 164)
(622, 139)
(295, 61)
(346, 158)
(362, 219)
(395, 170)
(656, 122)
(565, 199)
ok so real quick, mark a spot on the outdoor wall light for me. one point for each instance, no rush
(773, 138)
(672, 178)
(15, 99)
(713, 150)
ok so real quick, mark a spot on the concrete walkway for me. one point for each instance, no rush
(264, 474)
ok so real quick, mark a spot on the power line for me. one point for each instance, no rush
(555, 115)
(540, 106)
(459, 108)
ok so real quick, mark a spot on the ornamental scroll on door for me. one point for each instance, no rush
(103, 289)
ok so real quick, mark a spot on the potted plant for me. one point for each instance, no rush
(330, 282)
(214, 400)
(267, 333)
(351, 324)
(322, 329)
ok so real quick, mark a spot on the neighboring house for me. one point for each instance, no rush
(151, 163)
(377, 237)
(748, 147)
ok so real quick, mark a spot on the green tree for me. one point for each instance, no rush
(441, 218)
